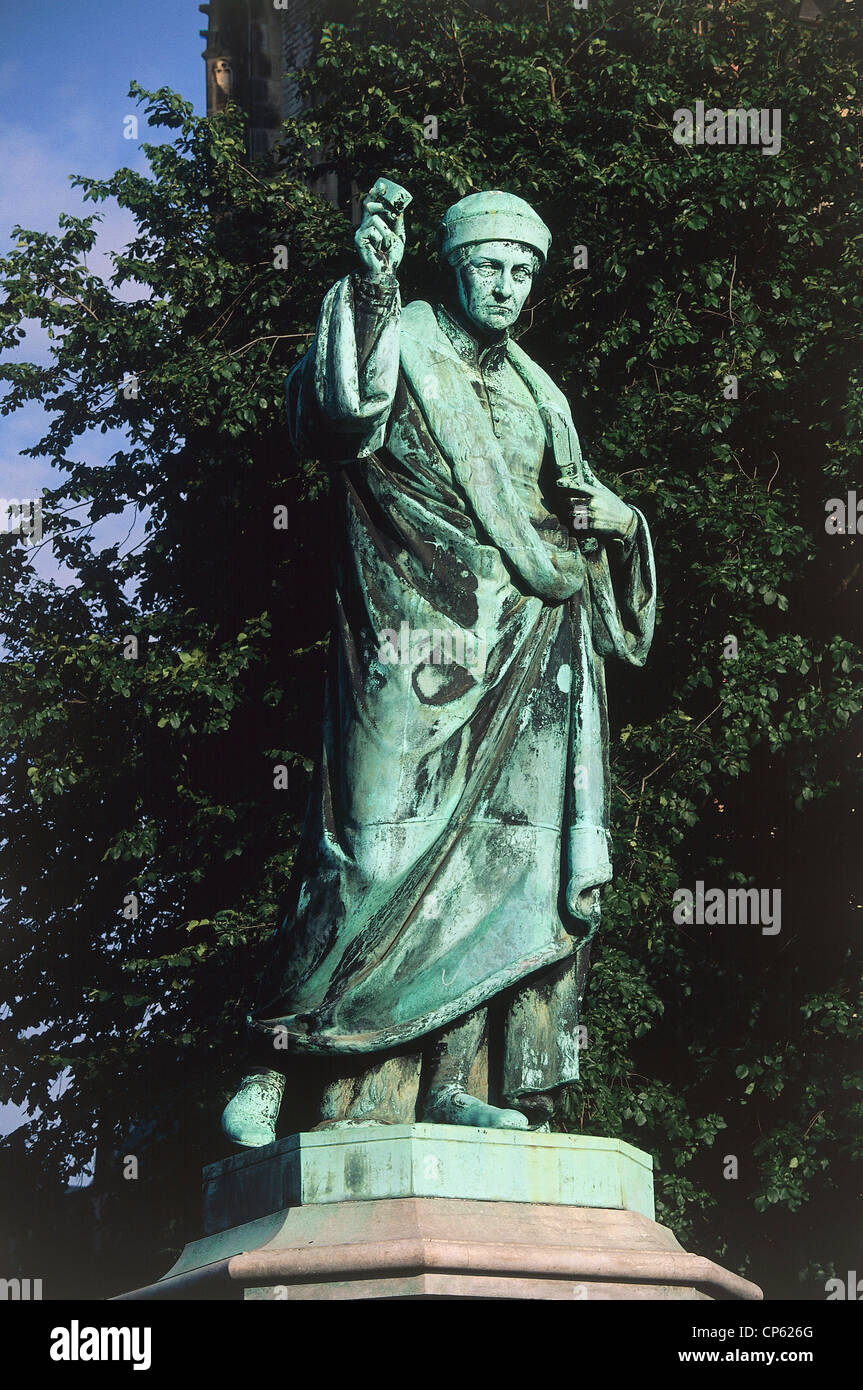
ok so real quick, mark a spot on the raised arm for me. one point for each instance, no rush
(340, 395)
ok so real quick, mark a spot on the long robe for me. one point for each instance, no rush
(457, 831)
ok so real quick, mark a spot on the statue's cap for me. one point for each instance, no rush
(493, 216)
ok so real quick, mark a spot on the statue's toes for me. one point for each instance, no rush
(506, 1119)
(460, 1108)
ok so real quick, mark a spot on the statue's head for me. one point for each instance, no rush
(495, 244)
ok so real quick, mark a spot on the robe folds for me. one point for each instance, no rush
(457, 831)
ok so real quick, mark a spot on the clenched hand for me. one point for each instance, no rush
(380, 238)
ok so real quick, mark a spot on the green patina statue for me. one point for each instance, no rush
(434, 942)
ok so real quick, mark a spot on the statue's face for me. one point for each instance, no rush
(494, 282)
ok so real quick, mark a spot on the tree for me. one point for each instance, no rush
(698, 309)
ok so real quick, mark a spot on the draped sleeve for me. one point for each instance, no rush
(339, 396)
(621, 575)
(622, 581)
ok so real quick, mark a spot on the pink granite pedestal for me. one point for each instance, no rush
(439, 1247)
(396, 1212)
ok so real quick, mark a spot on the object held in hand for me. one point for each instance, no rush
(571, 479)
(569, 476)
(392, 195)
(380, 237)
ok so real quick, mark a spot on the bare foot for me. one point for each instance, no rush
(449, 1106)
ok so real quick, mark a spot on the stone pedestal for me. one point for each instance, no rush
(437, 1211)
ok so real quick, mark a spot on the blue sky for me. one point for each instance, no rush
(64, 77)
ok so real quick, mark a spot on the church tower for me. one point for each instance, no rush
(251, 44)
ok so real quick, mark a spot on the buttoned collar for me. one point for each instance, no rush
(484, 356)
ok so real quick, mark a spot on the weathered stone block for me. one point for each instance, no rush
(424, 1160)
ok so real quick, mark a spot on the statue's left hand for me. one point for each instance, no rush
(607, 515)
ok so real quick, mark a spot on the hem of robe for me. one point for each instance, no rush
(541, 1038)
(325, 1041)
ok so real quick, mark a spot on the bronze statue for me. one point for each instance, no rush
(435, 938)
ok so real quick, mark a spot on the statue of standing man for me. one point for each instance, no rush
(435, 937)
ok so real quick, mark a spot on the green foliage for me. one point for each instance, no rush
(153, 776)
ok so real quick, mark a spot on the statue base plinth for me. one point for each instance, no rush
(437, 1211)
